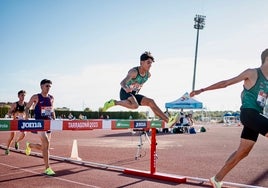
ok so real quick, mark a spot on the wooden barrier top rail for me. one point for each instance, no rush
(64, 124)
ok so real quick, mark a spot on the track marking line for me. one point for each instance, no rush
(61, 179)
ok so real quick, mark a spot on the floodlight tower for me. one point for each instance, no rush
(199, 25)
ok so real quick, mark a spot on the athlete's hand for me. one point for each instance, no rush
(196, 92)
(128, 90)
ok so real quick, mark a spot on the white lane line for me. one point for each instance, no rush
(61, 179)
(18, 172)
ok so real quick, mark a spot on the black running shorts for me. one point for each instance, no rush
(124, 95)
(254, 124)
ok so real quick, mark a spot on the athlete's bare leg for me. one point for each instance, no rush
(10, 139)
(150, 102)
(242, 151)
(45, 147)
(21, 137)
(130, 103)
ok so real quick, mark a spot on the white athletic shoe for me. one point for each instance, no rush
(214, 183)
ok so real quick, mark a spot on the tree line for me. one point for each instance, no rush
(88, 114)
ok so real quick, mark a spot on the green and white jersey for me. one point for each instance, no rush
(256, 96)
(136, 83)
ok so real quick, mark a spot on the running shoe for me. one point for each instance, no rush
(108, 104)
(28, 149)
(17, 145)
(172, 120)
(7, 152)
(214, 183)
(49, 172)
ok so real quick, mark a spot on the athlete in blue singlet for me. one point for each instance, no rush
(253, 97)
(130, 87)
(43, 109)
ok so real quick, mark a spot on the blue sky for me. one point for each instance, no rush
(86, 48)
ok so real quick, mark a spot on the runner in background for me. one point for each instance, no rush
(17, 111)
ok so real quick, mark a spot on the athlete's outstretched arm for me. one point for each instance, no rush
(222, 84)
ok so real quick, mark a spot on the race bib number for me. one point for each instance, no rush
(262, 96)
(135, 86)
(46, 111)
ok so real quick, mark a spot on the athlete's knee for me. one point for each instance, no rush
(134, 106)
(12, 135)
(44, 140)
(130, 103)
(266, 135)
(150, 102)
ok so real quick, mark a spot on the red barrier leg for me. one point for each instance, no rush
(153, 173)
(153, 151)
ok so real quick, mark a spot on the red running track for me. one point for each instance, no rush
(199, 155)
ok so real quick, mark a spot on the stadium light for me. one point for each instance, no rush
(199, 25)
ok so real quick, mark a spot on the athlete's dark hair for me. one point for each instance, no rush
(21, 91)
(146, 55)
(45, 81)
(264, 54)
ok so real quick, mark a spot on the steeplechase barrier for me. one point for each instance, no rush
(61, 125)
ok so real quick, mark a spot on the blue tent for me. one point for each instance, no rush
(184, 102)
